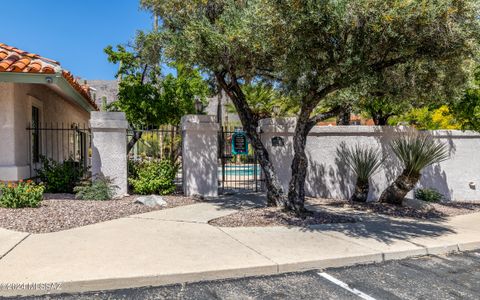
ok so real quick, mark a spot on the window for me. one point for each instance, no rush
(35, 130)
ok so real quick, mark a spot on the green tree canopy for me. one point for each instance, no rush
(467, 109)
(311, 49)
(146, 96)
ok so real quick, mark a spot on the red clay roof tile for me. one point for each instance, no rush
(15, 60)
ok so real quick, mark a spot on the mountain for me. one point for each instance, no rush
(104, 88)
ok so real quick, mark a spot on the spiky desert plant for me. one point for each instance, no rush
(364, 162)
(415, 152)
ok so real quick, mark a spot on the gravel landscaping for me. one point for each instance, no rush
(338, 211)
(61, 211)
(270, 216)
(436, 210)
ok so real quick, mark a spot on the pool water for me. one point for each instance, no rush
(240, 170)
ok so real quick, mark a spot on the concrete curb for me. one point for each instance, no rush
(143, 281)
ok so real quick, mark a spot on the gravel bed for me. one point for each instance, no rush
(61, 211)
(271, 216)
(436, 210)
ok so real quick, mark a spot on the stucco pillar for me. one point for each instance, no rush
(109, 143)
(200, 155)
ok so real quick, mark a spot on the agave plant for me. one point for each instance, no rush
(415, 152)
(364, 162)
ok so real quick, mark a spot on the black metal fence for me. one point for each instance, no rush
(58, 142)
(238, 172)
(157, 143)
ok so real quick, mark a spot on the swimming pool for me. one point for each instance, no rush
(240, 170)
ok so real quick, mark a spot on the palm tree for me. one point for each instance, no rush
(263, 98)
(364, 162)
(415, 152)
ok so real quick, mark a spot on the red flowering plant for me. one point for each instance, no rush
(20, 194)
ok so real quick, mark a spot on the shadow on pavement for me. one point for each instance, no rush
(369, 225)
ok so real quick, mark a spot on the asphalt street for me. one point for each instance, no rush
(455, 276)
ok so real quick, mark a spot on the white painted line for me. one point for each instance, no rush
(345, 286)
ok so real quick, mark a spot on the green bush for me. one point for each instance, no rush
(99, 189)
(21, 194)
(60, 177)
(154, 177)
(428, 195)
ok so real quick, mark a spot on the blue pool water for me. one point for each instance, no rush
(240, 170)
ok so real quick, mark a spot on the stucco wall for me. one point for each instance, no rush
(16, 101)
(328, 177)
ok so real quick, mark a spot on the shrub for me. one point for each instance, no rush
(428, 195)
(364, 162)
(415, 152)
(99, 189)
(60, 177)
(21, 194)
(154, 177)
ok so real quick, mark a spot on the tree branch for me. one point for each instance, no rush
(323, 116)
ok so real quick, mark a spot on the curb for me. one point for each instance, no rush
(273, 269)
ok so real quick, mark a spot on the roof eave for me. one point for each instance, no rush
(55, 80)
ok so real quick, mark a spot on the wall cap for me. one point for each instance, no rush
(286, 126)
(108, 120)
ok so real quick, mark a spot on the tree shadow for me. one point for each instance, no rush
(385, 230)
(240, 200)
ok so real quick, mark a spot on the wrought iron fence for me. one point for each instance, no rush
(157, 143)
(58, 142)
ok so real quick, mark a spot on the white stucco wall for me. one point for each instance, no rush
(328, 177)
(16, 102)
(109, 143)
(200, 155)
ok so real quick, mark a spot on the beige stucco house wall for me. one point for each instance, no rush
(16, 102)
(34, 85)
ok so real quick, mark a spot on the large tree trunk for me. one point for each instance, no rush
(396, 192)
(360, 194)
(275, 192)
(296, 190)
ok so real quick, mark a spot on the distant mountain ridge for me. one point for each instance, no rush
(104, 88)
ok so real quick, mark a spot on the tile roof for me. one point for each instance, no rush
(15, 60)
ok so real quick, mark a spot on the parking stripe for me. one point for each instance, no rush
(345, 286)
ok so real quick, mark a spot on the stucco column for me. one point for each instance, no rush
(200, 155)
(109, 143)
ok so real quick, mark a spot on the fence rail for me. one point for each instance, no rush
(157, 143)
(58, 142)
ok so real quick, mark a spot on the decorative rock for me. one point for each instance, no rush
(417, 204)
(151, 201)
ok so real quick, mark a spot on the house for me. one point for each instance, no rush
(44, 111)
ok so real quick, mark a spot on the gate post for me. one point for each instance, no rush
(109, 148)
(200, 155)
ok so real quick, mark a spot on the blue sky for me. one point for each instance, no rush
(74, 32)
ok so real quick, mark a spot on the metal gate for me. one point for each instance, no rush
(238, 173)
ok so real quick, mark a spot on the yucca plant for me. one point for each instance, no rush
(415, 152)
(364, 162)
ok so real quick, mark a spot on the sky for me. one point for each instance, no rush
(74, 32)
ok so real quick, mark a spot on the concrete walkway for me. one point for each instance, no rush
(178, 245)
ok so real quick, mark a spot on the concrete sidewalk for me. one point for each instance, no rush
(178, 245)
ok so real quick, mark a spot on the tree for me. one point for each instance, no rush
(147, 97)
(263, 99)
(427, 118)
(311, 49)
(467, 109)
(415, 152)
